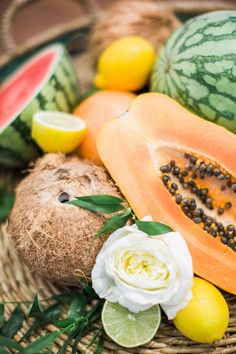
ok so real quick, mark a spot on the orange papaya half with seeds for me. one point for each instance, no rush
(181, 170)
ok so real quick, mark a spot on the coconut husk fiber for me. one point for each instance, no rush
(56, 239)
(133, 17)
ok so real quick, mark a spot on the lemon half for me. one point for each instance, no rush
(57, 131)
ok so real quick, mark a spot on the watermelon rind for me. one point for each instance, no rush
(197, 67)
(59, 91)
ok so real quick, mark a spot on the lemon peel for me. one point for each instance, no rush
(126, 64)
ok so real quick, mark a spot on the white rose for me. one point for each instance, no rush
(138, 271)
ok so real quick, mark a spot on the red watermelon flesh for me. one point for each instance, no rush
(19, 90)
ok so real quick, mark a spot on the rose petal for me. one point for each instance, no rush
(172, 310)
(138, 292)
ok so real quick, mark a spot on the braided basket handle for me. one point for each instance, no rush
(199, 7)
(9, 44)
(93, 10)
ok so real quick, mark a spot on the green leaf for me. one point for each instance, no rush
(77, 306)
(89, 291)
(1, 314)
(41, 343)
(107, 209)
(83, 329)
(14, 323)
(95, 312)
(100, 346)
(152, 228)
(65, 298)
(6, 204)
(35, 309)
(93, 340)
(102, 199)
(67, 322)
(9, 343)
(76, 341)
(115, 222)
(50, 314)
(71, 336)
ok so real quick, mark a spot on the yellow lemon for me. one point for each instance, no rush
(126, 64)
(57, 131)
(206, 317)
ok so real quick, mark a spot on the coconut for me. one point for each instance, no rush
(155, 22)
(54, 238)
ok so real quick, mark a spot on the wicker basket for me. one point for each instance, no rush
(16, 281)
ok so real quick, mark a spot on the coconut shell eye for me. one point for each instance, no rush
(64, 197)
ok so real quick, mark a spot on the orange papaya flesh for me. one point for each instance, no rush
(181, 170)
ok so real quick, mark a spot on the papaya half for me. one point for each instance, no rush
(181, 170)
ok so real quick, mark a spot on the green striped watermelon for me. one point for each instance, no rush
(197, 67)
(47, 81)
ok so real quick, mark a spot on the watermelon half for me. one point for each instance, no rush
(47, 81)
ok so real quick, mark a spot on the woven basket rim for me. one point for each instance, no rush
(12, 50)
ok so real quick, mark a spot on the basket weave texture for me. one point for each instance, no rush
(17, 283)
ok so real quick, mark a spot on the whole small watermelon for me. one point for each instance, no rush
(197, 67)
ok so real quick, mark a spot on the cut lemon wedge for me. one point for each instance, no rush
(57, 131)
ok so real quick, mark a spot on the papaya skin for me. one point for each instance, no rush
(131, 148)
(97, 110)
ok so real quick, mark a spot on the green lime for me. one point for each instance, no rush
(130, 329)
